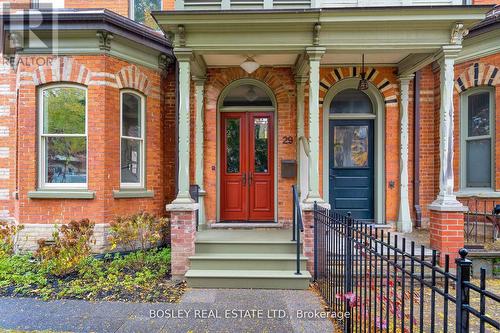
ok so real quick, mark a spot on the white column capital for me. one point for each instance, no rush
(405, 79)
(449, 52)
(300, 80)
(199, 80)
(183, 54)
(315, 53)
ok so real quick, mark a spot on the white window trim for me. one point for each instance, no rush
(464, 122)
(132, 11)
(142, 140)
(42, 184)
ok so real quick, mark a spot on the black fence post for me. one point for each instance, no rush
(463, 275)
(315, 241)
(348, 263)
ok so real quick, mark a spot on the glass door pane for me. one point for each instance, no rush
(261, 144)
(350, 146)
(233, 145)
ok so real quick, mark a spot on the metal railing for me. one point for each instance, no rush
(297, 225)
(481, 222)
(372, 284)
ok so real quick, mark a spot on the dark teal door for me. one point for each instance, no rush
(351, 168)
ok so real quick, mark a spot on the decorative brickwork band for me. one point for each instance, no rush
(183, 233)
(339, 73)
(478, 74)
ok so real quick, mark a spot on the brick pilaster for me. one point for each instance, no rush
(183, 235)
(447, 233)
(308, 239)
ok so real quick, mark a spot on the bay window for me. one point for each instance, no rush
(63, 137)
(132, 140)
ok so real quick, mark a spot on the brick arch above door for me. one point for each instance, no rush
(478, 74)
(386, 88)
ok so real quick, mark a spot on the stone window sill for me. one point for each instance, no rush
(479, 193)
(130, 193)
(61, 194)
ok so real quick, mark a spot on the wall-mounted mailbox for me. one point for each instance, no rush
(288, 168)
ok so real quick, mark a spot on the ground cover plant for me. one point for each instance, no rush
(65, 268)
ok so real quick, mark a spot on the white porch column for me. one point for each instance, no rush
(199, 85)
(404, 223)
(300, 84)
(314, 53)
(446, 200)
(184, 56)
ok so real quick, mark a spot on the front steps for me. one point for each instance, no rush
(261, 259)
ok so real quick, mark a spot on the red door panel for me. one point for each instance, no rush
(234, 192)
(261, 166)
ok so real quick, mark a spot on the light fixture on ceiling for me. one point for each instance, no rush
(250, 65)
(363, 82)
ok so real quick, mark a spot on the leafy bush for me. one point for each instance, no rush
(8, 232)
(139, 231)
(70, 247)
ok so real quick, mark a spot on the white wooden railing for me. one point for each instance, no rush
(283, 4)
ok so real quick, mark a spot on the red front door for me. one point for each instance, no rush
(247, 166)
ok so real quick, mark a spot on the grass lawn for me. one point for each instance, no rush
(138, 276)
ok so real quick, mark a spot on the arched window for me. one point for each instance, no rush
(132, 140)
(351, 101)
(63, 136)
(247, 95)
(477, 137)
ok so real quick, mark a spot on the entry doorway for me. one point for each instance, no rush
(247, 166)
(351, 181)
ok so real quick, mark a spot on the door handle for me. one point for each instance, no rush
(250, 178)
(244, 178)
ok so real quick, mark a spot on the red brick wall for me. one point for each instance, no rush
(100, 76)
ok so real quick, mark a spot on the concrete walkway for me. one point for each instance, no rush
(194, 313)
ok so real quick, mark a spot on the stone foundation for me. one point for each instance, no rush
(28, 237)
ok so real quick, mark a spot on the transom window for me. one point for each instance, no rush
(140, 11)
(63, 137)
(351, 101)
(132, 140)
(477, 129)
(247, 95)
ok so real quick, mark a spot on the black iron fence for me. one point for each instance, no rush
(481, 222)
(375, 282)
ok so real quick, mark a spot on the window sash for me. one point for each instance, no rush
(140, 139)
(42, 138)
(465, 121)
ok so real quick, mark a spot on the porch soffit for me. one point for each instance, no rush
(393, 29)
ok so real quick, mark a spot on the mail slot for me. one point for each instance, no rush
(288, 168)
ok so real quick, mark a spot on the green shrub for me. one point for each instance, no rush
(8, 232)
(139, 231)
(70, 247)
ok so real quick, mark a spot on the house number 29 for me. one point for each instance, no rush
(288, 140)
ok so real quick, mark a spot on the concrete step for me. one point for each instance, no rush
(215, 246)
(247, 261)
(247, 279)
